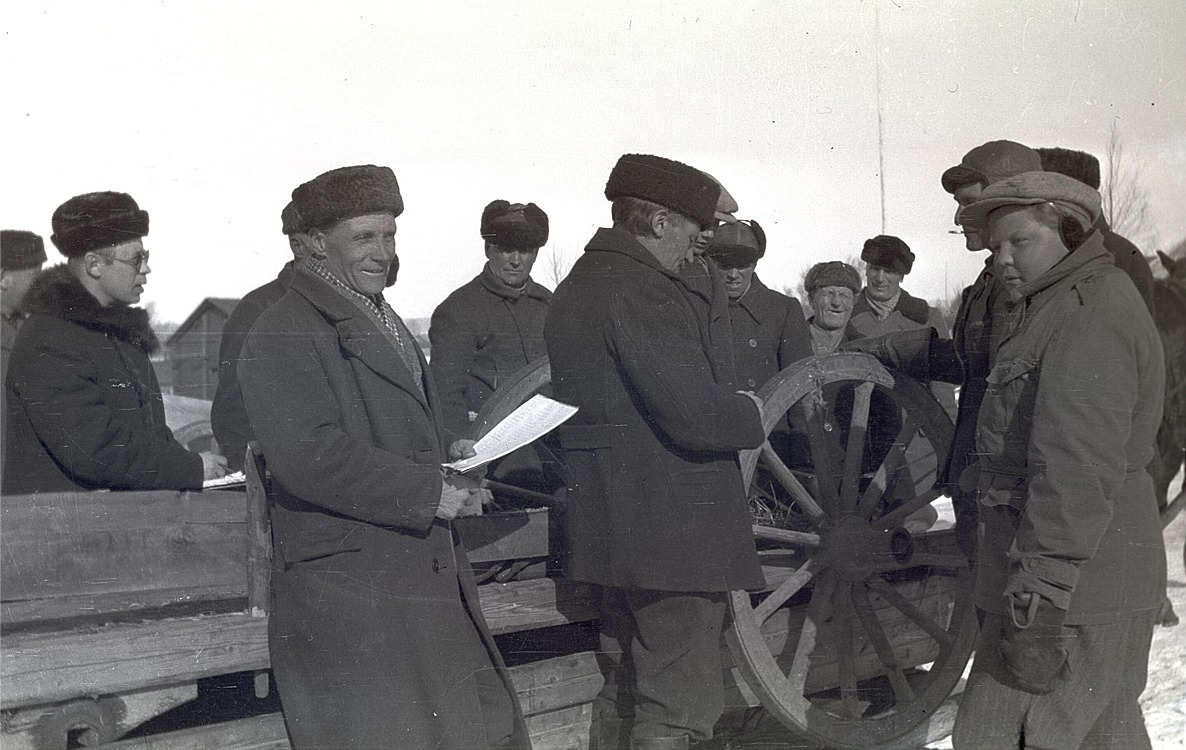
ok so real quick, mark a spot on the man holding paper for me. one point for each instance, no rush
(657, 511)
(376, 634)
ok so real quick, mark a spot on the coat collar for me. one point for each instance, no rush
(622, 242)
(494, 285)
(359, 336)
(57, 293)
(911, 307)
(1089, 256)
(757, 301)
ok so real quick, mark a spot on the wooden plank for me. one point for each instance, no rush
(526, 605)
(65, 612)
(508, 536)
(72, 544)
(43, 668)
(265, 732)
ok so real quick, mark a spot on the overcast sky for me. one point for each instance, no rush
(210, 113)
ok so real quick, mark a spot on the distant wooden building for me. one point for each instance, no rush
(193, 348)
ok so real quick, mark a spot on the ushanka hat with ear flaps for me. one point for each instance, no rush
(93, 221)
(887, 251)
(290, 220)
(515, 226)
(738, 244)
(20, 249)
(347, 193)
(1034, 188)
(669, 183)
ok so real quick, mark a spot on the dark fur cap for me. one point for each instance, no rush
(668, 183)
(20, 249)
(889, 252)
(96, 220)
(290, 220)
(346, 193)
(1077, 164)
(832, 273)
(515, 226)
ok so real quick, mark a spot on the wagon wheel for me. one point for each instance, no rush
(866, 623)
(519, 387)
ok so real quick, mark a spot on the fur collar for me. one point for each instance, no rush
(57, 293)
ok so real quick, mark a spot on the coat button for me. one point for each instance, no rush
(436, 565)
(753, 343)
(751, 382)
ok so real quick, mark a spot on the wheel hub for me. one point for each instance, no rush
(855, 549)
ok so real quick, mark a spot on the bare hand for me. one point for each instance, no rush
(461, 496)
(213, 465)
(461, 449)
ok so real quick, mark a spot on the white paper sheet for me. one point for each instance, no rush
(531, 421)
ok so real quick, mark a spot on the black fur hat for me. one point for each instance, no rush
(1078, 164)
(290, 220)
(668, 183)
(889, 252)
(346, 193)
(20, 249)
(96, 220)
(515, 226)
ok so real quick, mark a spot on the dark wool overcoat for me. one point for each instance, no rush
(481, 335)
(655, 493)
(377, 636)
(1065, 434)
(769, 334)
(228, 417)
(84, 409)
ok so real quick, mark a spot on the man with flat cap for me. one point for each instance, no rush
(1071, 564)
(84, 409)
(376, 634)
(493, 326)
(657, 514)
(228, 417)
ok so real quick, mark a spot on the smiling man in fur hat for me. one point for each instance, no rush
(494, 325)
(84, 407)
(376, 634)
(657, 516)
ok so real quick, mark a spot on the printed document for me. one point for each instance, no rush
(531, 421)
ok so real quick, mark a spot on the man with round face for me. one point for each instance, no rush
(349, 422)
(493, 326)
(653, 515)
(831, 292)
(1071, 566)
(83, 404)
(228, 416)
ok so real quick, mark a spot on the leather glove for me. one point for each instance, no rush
(907, 351)
(1033, 645)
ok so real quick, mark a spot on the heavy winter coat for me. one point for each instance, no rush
(482, 334)
(1065, 432)
(84, 409)
(228, 416)
(769, 334)
(355, 447)
(655, 493)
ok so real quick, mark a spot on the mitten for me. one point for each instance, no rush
(1033, 643)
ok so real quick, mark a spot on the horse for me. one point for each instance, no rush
(1169, 313)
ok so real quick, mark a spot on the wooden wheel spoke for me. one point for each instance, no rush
(854, 452)
(805, 644)
(897, 515)
(885, 652)
(781, 595)
(917, 616)
(825, 448)
(791, 482)
(888, 468)
(845, 637)
(788, 536)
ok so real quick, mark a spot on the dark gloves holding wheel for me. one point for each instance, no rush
(919, 353)
(1033, 642)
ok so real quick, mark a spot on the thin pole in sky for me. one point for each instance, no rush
(880, 123)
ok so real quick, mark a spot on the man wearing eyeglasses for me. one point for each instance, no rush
(84, 409)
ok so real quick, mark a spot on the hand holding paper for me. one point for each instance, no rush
(531, 421)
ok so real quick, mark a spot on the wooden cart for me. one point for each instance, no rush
(114, 605)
